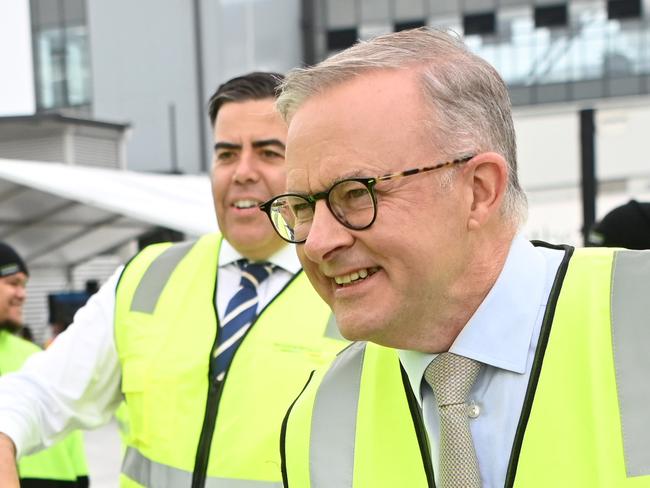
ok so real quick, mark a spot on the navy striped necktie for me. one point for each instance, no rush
(240, 313)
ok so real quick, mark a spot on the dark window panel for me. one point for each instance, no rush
(338, 39)
(481, 24)
(551, 16)
(623, 9)
(409, 24)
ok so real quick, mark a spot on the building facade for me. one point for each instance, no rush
(153, 64)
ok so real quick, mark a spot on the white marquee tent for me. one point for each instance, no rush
(59, 215)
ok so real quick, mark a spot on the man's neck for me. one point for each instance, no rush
(465, 295)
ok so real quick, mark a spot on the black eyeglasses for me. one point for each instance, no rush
(352, 202)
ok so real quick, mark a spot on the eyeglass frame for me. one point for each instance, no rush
(369, 183)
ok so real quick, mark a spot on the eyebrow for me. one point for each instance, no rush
(355, 173)
(226, 145)
(268, 142)
(255, 144)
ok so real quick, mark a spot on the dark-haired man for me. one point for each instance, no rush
(211, 339)
(63, 464)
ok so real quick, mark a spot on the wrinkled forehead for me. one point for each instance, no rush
(358, 128)
(314, 162)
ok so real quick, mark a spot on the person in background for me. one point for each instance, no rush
(207, 341)
(482, 359)
(62, 307)
(626, 226)
(63, 464)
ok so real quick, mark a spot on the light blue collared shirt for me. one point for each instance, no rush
(502, 334)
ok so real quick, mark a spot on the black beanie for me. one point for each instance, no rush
(10, 262)
(626, 226)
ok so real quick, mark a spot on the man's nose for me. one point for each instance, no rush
(326, 235)
(247, 167)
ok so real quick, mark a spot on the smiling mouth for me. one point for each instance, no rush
(246, 204)
(355, 276)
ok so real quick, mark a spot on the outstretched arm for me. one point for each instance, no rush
(74, 384)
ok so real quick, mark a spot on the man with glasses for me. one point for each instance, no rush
(483, 360)
(207, 342)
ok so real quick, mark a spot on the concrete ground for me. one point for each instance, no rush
(104, 455)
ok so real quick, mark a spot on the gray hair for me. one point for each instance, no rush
(466, 95)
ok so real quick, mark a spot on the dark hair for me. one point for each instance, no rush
(253, 86)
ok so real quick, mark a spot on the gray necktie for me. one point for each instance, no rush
(451, 377)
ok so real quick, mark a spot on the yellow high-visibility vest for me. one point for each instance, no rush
(186, 426)
(65, 461)
(585, 421)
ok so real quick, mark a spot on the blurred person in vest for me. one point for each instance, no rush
(625, 226)
(206, 341)
(64, 463)
(481, 359)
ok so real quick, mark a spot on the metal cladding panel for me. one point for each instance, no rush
(43, 148)
(91, 151)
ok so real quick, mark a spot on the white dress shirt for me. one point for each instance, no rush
(76, 382)
(502, 334)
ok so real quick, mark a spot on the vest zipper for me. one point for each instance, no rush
(205, 440)
(215, 389)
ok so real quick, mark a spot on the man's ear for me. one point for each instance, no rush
(486, 175)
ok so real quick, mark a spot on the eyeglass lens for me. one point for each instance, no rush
(350, 202)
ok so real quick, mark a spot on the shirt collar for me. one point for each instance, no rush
(286, 258)
(500, 331)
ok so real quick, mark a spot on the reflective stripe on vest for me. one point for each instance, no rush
(630, 337)
(150, 473)
(155, 278)
(337, 398)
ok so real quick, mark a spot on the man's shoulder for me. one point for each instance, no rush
(157, 261)
(158, 248)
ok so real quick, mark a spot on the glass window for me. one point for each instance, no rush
(51, 68)
(77, 66)
(516, 60)
(61, 53)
